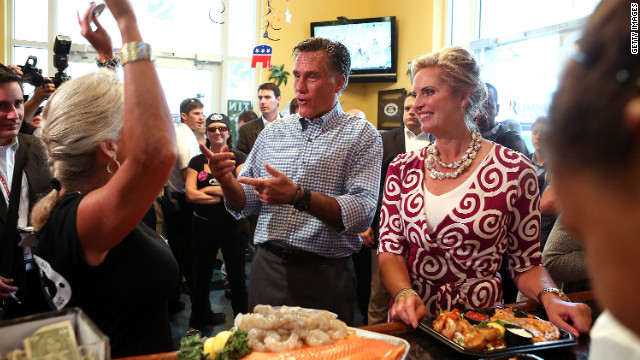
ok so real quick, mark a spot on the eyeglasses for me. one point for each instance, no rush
(213, 129)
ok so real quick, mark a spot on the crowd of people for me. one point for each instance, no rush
(449, 211)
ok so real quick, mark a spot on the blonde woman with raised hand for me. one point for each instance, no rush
(94, 252)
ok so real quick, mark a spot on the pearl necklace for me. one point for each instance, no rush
(459, 165)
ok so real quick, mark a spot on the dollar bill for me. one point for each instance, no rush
(49, 340)
(17, 354)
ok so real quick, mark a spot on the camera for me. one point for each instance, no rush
(61, 50)
(31, 73)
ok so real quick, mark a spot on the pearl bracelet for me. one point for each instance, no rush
(135, 51)
(404, 291)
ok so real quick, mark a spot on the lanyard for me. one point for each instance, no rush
(6, 188)
(4, 182)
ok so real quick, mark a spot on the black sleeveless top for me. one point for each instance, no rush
(126, 295)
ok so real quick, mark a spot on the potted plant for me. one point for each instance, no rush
(278, 75)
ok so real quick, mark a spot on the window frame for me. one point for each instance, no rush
(216, 64)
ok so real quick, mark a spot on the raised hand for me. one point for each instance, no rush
(98, 38)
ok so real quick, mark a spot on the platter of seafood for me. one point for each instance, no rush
(495, 331)
(294, 333)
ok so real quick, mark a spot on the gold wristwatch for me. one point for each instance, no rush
(557, 291)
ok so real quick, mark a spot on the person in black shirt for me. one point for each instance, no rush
(214, 229)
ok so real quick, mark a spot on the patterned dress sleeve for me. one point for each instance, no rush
(392, 237)
(523, 237)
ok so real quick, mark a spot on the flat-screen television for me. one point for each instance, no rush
(372, 43)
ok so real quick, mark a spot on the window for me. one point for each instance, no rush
(35, 15)
(503, 17)
(522, 47)
(191, 40)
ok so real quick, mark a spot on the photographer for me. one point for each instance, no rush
(40, 94)
(21, 181)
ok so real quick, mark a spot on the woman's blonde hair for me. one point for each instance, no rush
(79, 116)
(460, 70)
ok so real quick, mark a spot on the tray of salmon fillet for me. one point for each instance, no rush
(298, 333)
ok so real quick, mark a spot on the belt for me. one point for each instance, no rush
(293, 256)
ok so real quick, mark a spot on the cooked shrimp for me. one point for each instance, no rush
(449, 328)
(474, 340)
(489, 333)
(463, 326)
(438, 323)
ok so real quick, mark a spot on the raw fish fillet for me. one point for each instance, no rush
(351, 348)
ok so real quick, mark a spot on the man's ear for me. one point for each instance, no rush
(108, 147)
(339, 83)
(183, 116)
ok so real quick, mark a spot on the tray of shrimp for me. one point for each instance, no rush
(284, 332)
(495, 331)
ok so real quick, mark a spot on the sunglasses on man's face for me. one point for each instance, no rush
(213, 129)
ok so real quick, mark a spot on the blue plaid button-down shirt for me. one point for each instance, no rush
(337, 155)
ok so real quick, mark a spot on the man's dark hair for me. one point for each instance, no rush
(338, 55)
(189, 104)
(270, 86)
(293, 106)
(8, 76)
(494, 90)
(247, 115)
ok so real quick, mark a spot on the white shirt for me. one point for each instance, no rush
(437, 207)
(7, 163)
(267, 123)
(612, 340)
(414, 142)
(188, 147)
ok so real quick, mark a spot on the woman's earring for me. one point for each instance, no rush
(109, 163)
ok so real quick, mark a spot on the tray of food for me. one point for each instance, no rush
(495, 331)
(515, 357)
(292, 333)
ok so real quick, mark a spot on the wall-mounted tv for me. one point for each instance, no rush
(372, 43)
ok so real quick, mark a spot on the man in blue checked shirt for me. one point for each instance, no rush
(313, 179)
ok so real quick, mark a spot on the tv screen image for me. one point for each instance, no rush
(371, 43)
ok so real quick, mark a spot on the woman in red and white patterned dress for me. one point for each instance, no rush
(451, 210)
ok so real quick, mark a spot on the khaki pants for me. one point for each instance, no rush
(379, 302)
